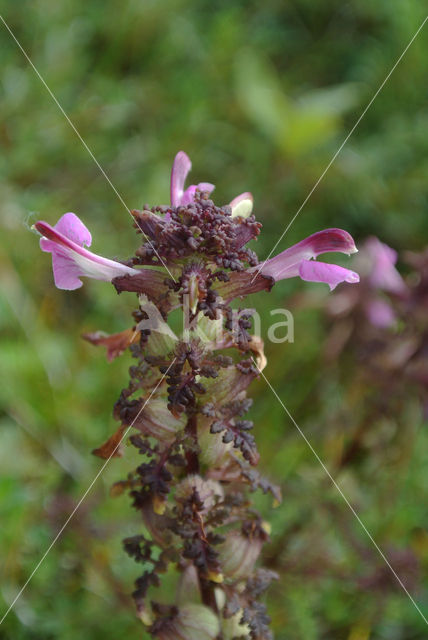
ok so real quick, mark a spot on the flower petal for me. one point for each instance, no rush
(180, 168)
(73, 228)
(287, 263)
(331, 274)
(242, 205)
(70, 260)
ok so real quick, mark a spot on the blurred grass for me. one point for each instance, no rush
(260, 97)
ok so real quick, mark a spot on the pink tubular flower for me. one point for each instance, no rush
(381, 285)
(299, 260)
(382, 273)
(241, 206)
(70, 260)
(295, 261)
(378, 268)
(180, 168)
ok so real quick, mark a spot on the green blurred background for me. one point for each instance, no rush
(260, 95)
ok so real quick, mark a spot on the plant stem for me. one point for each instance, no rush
(192, 456)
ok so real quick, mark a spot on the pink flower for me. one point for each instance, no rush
(382, 273)
(241, 206)
(295, 261)
(299, 260)
(376, 265)
(180, 168)
(378, 268)
(70, 260)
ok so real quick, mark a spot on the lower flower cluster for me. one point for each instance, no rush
(193, 488)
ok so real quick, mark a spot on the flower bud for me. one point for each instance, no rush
(214, 452)
(193, 287)
(215, 576)
(256, 346)
(188, 588)
(159, 504)
(144, 614)
(210, 331)
(209, 491)
(232, 627)
(156, 523)
(155, 419)
(191, 622)
(240, 551)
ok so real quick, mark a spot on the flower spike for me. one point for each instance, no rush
(70, 260)
(186, 399)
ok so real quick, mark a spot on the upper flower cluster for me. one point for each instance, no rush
(193, 225)
(199, 227)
